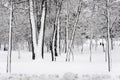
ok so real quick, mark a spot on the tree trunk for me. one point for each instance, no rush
(82, 47)
(106, 54)
(10, 40)
(51, 49)
(19, 50)
(72, 39)
(73, 33)
(91, 37)
(91, 48)
(32, 46)
(29, 46)
(56, 54)
(42, 30)
(112, 44)
(108, 36)
(53, 43)
(33, 51)
(66, 36)
(65, 50)
(58, 37)
(66, 28)
(33, 27)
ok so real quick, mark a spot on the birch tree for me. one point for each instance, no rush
(38, 46)
(108, 35)
(56, 31)
(10, 39)
(42, 29)
(73, 32)
(66, 28)
(33, 27)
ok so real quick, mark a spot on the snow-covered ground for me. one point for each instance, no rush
(81, 64)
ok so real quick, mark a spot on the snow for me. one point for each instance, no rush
(80, 65)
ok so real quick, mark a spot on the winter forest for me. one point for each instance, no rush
(78, 39)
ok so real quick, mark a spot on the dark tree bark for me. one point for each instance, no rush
(56, 35)
(53, 51)
(65, 42)
(32, 45)
(33, 53)
(33, 29)
(42, 29)
(52, 55)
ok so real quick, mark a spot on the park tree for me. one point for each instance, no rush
(38, 46)
(78, 12)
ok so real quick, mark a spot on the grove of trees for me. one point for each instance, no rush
(57, 23)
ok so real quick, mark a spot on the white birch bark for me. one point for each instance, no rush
(67, 28)
(32, 18)
(41, 32)
(58, 37)
(10, 40)
(108, 36)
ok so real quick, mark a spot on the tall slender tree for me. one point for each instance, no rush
(10, 39)
(38, 45)
(56, 31)
(42, 29)
(33, 27)
(73, 32)
(108, 34)
(66, 30)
